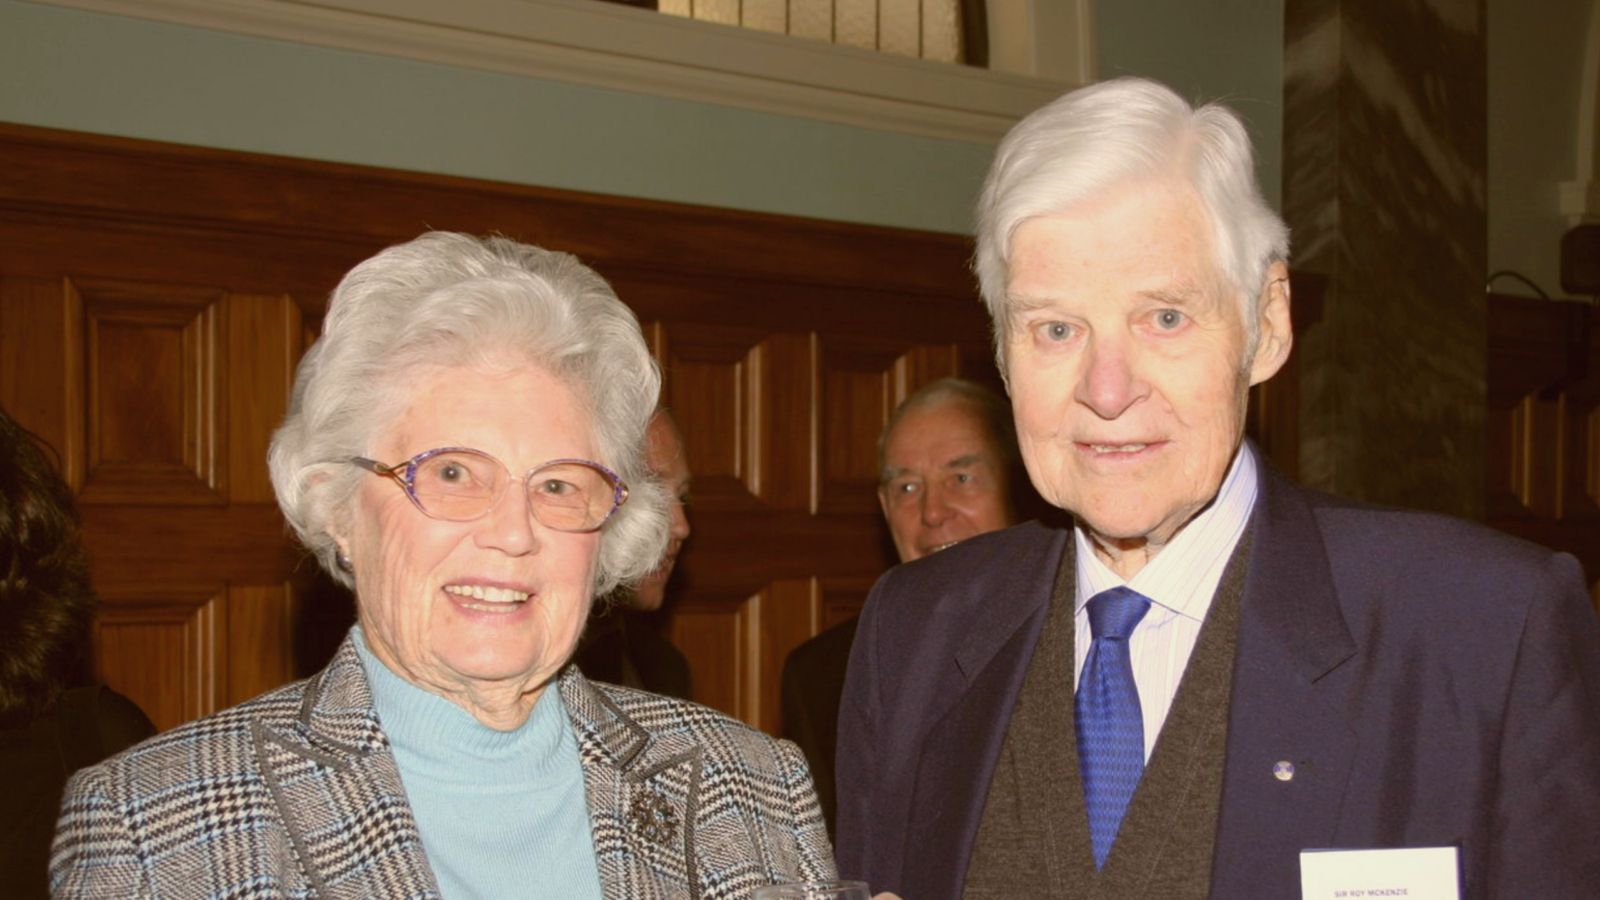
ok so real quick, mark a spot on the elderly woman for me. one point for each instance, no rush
(465, 449)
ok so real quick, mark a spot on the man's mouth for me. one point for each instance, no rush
(1108, 449)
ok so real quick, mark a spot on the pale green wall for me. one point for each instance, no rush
(1535, 66)
(1227, 50)
(114, 75)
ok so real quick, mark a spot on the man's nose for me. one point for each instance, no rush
(936, 507)
(1110, 383)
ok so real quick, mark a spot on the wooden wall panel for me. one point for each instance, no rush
(161, 651)
(789, 617)
(41, 364)
(154, 367)
(258, 641)
(783, 387)
(715, 634)
(265, 340)
(857, 390)
(707, 388)
(1544, 425)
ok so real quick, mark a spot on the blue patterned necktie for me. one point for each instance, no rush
(1110, 723)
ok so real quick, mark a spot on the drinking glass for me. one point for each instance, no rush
(815, 890)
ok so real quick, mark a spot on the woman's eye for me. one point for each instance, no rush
(555, 487)
(1168, 319)
(451, 473)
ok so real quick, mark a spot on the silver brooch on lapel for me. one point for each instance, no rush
(652, 817)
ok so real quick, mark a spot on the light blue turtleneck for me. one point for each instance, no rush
(502, 813)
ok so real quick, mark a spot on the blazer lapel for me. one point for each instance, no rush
(963, 745)
(642, 793)
(1284, 707)
(338, 791)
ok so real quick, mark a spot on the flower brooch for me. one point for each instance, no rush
(652, 817)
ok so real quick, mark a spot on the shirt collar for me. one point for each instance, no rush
(1183, 576)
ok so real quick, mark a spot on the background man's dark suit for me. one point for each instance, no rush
(813, 682)
(1433, 683)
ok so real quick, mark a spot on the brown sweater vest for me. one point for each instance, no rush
(1033, 840)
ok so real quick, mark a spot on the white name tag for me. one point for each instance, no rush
(1414, 873)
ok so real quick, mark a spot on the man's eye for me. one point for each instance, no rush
(1168, 319)
(1055, 331)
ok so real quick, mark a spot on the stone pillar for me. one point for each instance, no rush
(1385, 110)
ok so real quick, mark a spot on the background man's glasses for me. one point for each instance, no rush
(459, 484)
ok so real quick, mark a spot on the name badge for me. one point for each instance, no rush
(1415, 873)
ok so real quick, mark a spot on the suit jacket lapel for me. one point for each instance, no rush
(338, 791)
(980, 686)
(642, 793)
(1284, 706)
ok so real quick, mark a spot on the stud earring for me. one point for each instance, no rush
(341, 560)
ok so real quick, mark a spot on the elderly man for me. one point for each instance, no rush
(621, 645)
(1214, 670)
(948, 471)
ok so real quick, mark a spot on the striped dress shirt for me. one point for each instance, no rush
(1180, 582)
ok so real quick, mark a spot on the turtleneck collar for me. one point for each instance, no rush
(443, 741)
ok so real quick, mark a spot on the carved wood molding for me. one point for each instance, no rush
(60, 177)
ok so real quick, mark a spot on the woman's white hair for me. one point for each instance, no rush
(1100, 137)
(449, 299)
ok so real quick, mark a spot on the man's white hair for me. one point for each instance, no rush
(449, 299)
(1097, 138)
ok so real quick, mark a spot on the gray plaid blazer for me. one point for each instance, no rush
(296, 794)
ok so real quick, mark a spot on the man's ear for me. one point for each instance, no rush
(1275, 337)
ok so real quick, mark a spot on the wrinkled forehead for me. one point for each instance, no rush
(945, 429)
(1155, 235)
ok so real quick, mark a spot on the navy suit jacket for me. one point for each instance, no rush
(1433, 682)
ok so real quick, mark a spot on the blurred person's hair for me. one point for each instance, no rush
(46, 601)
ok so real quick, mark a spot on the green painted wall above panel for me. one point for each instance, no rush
(115, 75)
(1225, 50)
(110, 74)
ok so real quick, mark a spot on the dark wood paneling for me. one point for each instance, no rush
(154, 300)
(1543, 478)
(155, 378)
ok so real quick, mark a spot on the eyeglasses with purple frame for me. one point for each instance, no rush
(577, 503)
